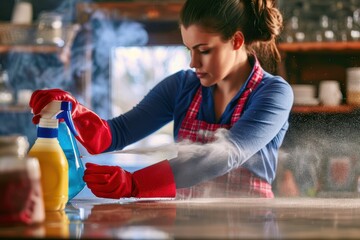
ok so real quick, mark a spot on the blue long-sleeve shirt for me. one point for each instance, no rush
(256, 136)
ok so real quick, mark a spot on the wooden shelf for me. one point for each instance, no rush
(323, 109)
(311, 62)
(30, 48)
(320, 47)
(23, 39)
(148, 11)
(14, 108)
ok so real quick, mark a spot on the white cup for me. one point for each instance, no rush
(330, 93)
(304, 90)
(353, 86)
(353, 73)
(22, 13)
(24, 96)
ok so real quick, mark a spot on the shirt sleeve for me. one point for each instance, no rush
(265, 116)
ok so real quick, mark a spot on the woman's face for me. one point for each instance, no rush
(211, 56)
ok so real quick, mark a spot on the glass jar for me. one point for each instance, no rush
(50, 29)
(21, 199)
(6, 91)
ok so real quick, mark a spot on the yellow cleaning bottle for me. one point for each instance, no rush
(53, 162)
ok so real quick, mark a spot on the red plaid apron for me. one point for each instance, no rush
(239, 182)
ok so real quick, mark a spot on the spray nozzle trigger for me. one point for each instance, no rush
(66, 115)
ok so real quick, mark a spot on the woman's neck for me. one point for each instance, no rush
(235, 80)
(226, 90)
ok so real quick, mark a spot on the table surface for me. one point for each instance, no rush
(216, 218)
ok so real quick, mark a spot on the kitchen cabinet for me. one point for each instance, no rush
(159, 18)
(32, 66)
(321, 136)
(313, 62)
(321, 39)
(310, 62)
(21, 42)
(23, 49)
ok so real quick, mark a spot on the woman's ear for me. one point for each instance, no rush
(238, 40)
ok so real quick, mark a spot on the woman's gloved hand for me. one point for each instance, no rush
(114, 182)
(94, 132)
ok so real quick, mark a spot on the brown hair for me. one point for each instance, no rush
(259, 20)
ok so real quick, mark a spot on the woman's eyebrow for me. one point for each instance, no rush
(198, 45)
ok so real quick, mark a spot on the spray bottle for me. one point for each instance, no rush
(68, 144)
(53, 162)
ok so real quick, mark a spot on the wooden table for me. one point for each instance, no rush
(247, 218)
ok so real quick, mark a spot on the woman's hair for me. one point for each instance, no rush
(259, 21)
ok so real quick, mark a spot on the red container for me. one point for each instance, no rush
(21, 201)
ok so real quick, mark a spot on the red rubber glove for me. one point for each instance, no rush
(114, 182)
(94, 132)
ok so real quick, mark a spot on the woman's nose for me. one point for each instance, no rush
(194, 63)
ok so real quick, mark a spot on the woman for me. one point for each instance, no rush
(236, 111)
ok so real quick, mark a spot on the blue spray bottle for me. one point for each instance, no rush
(69, 145)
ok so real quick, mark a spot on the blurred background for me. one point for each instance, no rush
(109, 54)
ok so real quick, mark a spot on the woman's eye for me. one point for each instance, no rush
(204, 51)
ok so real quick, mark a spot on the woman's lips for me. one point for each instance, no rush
(200, 74)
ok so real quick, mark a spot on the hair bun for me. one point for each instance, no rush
(268, 20)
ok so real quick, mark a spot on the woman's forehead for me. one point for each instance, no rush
(196, 34)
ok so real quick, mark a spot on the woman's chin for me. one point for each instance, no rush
(206, 83)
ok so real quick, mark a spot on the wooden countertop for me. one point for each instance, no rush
(223, 218)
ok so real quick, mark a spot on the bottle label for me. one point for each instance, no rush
(47, 132)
